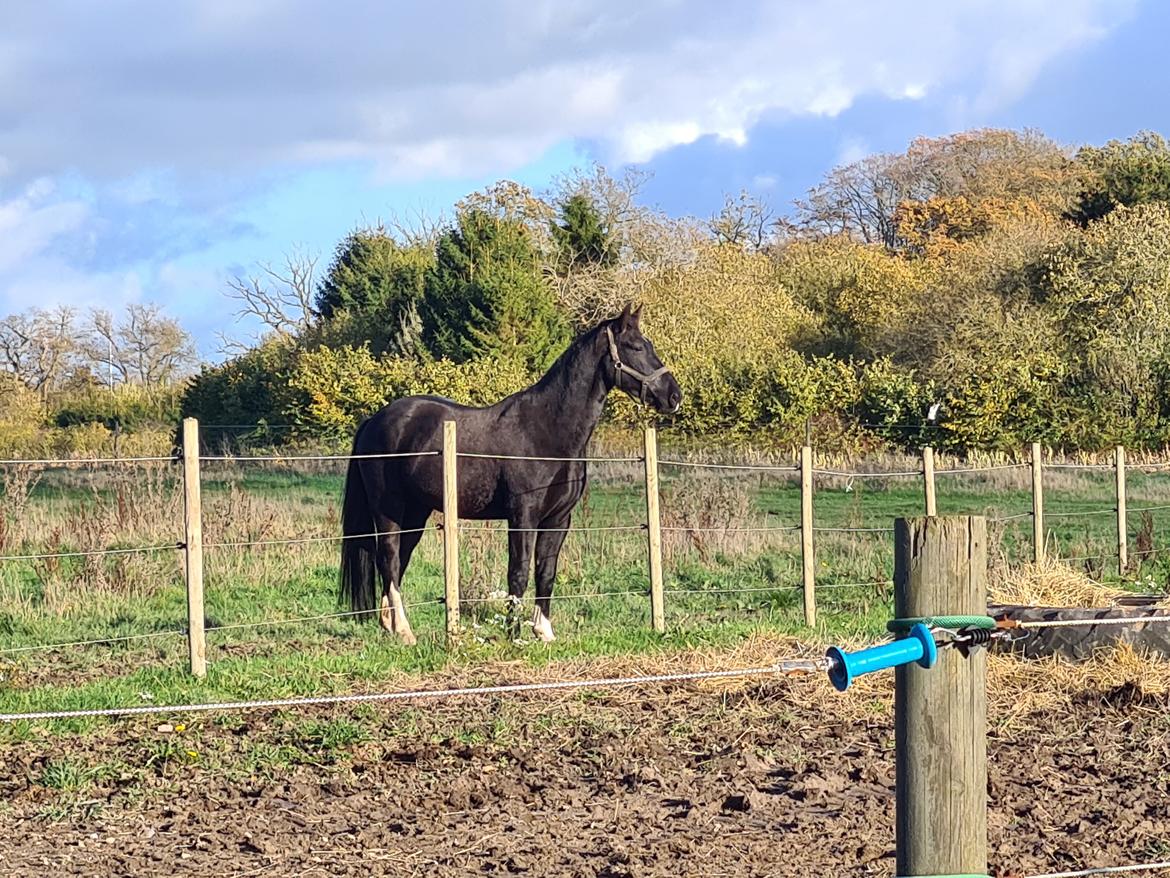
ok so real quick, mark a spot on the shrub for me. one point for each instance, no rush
(332, 390)
(130, 406)
(248, 389)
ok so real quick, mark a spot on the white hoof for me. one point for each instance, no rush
(542, 627)
(392, 618)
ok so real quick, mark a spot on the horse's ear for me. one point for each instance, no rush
(636, 317)
(626, 319)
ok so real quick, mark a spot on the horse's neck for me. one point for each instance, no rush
(570, 400)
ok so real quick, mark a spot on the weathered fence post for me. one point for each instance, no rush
(654, 531)
(808, 571)
(193, 547)
(928, 480)
(1122, 525)
(940, 720)
(1037, 503)
(450, 528)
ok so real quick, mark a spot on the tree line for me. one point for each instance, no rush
(1017, 289)
(975, 291)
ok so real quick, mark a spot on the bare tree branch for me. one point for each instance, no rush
(145, 347)
(280, 297)
(743, 221)
(37, 345)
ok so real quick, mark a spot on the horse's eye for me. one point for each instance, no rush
(637, 348)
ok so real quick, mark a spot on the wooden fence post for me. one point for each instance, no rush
(1037, 503)
(940, 719)
(928, 480)
(193, 547)
(808, 571)
(1122, 523)
(654, 532)
(450, 528)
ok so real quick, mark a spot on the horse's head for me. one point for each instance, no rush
(635, 368)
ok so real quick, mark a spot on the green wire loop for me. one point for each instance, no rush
(903, 626)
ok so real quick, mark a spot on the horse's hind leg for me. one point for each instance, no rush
(521, 540)
(412, 532)
(392, 615)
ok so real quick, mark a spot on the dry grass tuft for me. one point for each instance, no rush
(1049, 584)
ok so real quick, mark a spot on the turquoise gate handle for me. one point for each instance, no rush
(918, 646)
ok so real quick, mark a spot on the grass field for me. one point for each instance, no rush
(723, 582)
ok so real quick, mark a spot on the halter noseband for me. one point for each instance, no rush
(620, 367)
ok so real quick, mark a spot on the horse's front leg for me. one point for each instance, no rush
(521, 542)
(548, 551)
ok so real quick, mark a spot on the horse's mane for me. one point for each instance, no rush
(562, 363)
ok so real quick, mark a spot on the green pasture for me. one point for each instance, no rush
(731, 568)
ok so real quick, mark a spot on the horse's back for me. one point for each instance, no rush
(413, 423)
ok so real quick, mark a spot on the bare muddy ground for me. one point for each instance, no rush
(775, 778)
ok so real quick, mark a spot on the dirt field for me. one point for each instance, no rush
(775, 777)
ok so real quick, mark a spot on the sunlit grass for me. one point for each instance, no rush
(721, 586)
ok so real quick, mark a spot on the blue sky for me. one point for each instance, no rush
(150, 151)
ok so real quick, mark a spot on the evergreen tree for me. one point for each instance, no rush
(373, 274)
(582, 236)
(486, 296)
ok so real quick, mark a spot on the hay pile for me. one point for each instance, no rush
(1049, 584)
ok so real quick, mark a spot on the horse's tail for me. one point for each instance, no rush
(357, 551)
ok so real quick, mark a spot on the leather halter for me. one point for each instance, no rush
(621, 367)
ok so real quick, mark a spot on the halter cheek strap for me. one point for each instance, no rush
(621, 367)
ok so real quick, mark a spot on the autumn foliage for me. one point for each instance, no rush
(1019, 287)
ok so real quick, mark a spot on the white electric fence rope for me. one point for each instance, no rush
(44, 647)
(981, 469)
(613, 527)
(792, 666)
(338, 538)
(552, 459)
(289, 458)
(854, 530)
(768, 588)
(84, 461)
(1079, 513)
(1107, 870)
(93, 552)
(732, 530)
(268, 623)
(1149, 468)
(644, 592)
(867, 475)
(1089, 623)
(759, 467)
(1133, 509)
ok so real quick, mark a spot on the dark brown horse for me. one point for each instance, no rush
(554, 418)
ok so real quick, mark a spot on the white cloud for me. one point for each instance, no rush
(31, 222)
(154, 117)
(49, 281)
(468, 88)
